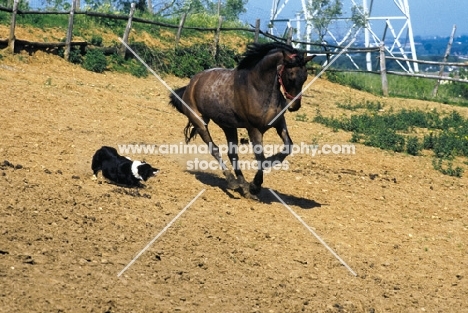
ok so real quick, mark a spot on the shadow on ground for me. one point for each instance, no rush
(265, 195)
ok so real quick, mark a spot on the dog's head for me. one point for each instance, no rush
(146, 171)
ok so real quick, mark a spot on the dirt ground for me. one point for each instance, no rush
(64, 238)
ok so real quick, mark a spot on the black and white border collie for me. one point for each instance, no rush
(119, 169)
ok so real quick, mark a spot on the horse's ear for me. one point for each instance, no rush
(288, 56)
(307, 58)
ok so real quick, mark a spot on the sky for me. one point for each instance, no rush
(428, 17)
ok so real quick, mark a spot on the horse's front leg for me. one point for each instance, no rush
(282, 131)
(256, 137)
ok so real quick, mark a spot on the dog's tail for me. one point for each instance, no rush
(102, 154)
(175, 101)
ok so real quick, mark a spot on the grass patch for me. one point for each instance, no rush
(405, 87)
(301, 117)
(367, 105)
(447, 133)
(447, 169)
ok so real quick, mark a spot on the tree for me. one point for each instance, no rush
(233, 8)
(229, 9)
(321, 13)
(358, 16)
(193, 6)
(140, 5)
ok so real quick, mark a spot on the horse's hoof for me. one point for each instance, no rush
(244, 191)
(231, 180)
(232, 184)
(251, 196)
(254, 189)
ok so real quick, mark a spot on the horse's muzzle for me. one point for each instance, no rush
(295, 105)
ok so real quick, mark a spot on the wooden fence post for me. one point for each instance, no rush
(383, 70)
(446, 55)
(70, 31)
(123, 49)
(257, 30)
(179, 30)
(216, 39)
(289, 38)
(12, 38)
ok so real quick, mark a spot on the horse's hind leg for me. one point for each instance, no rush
(233, 144)
(202, 130)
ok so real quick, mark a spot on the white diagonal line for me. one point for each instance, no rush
(160, 233)
(161, 80)
(313, 81)
(314, 233)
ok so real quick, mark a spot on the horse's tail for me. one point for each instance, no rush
(189, 132)
(175, 101)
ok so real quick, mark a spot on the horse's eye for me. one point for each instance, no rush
(292, 74)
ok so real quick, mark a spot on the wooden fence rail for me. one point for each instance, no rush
(428, 62)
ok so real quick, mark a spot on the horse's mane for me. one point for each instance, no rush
(255, 52)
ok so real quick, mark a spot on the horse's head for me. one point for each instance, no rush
(292, 74)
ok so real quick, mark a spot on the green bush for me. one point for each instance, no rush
(447, 145)
(227, 58)
(138, 70)
(386, 139)
(448, 170)
(117, 63)
(181, 62)
(158, 60)
(120, 64)
(188, 61)
(413, 146)
(95, 61)
(96, 40)
(429, 141)
(457, 88)
(356, 137)
(75, 56)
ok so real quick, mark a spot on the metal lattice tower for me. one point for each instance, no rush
(383, 25)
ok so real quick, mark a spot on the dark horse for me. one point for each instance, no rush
(248, 96)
